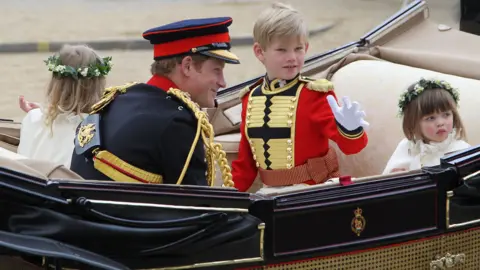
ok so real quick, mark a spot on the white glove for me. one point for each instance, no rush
(349, 116)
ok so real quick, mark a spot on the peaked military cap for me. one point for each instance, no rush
(207, 36)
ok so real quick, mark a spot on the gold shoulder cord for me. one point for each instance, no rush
(214, 150)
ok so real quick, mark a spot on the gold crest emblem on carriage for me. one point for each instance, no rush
(358, 222)
(85, 134)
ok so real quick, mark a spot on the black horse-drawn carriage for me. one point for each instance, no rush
(424, 219)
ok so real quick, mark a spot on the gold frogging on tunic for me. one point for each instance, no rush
(282, 115)
(255, 111)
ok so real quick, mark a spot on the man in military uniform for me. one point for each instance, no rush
(155, 132)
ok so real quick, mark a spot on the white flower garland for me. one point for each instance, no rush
(93, 70)
(423, 85)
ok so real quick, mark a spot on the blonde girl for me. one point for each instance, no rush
(77, 82)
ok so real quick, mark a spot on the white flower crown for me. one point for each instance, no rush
(93, 70)
(422, 85)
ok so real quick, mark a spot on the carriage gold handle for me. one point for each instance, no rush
(447, 262)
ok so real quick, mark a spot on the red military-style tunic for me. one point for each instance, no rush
(288, 127)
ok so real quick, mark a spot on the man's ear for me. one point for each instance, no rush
(258, 51)
(186, 65)
(306, 47)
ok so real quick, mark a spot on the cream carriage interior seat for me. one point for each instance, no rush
(37, 168)
(10, 135)
(377, 85)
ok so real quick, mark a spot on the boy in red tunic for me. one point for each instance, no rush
(287, 118)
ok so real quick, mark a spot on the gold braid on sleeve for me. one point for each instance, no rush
(213, 151)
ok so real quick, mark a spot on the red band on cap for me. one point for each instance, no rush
(185, 45)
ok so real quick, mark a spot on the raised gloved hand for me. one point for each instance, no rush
(349, 115)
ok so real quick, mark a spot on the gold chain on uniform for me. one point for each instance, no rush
(213, 151)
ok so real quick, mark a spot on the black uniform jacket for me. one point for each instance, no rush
(151, 130)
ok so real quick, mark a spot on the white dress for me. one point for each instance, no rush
(37, 141)
(414, 155)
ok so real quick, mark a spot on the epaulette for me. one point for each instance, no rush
(320, 85)
(249, 88)
(108, 95)
(88, 137)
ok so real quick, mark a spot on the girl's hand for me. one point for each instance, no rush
(27, 106)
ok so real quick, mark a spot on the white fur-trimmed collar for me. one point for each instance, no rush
(420, 147)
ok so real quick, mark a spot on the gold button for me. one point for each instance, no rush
(289, 123)
(294, 99)
(257, 164)
(248, 123)
(290, 115)
(292, 108)
(254, 157)
(250, 142)
(289, 166)
(289, 149)
(248, 116)
(289, 142)
(250, 100)
(253, 149)
(289, 158)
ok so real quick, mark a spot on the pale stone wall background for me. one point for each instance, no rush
(84, 20)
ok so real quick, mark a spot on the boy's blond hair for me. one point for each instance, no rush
(69, 95)
(279, 20)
